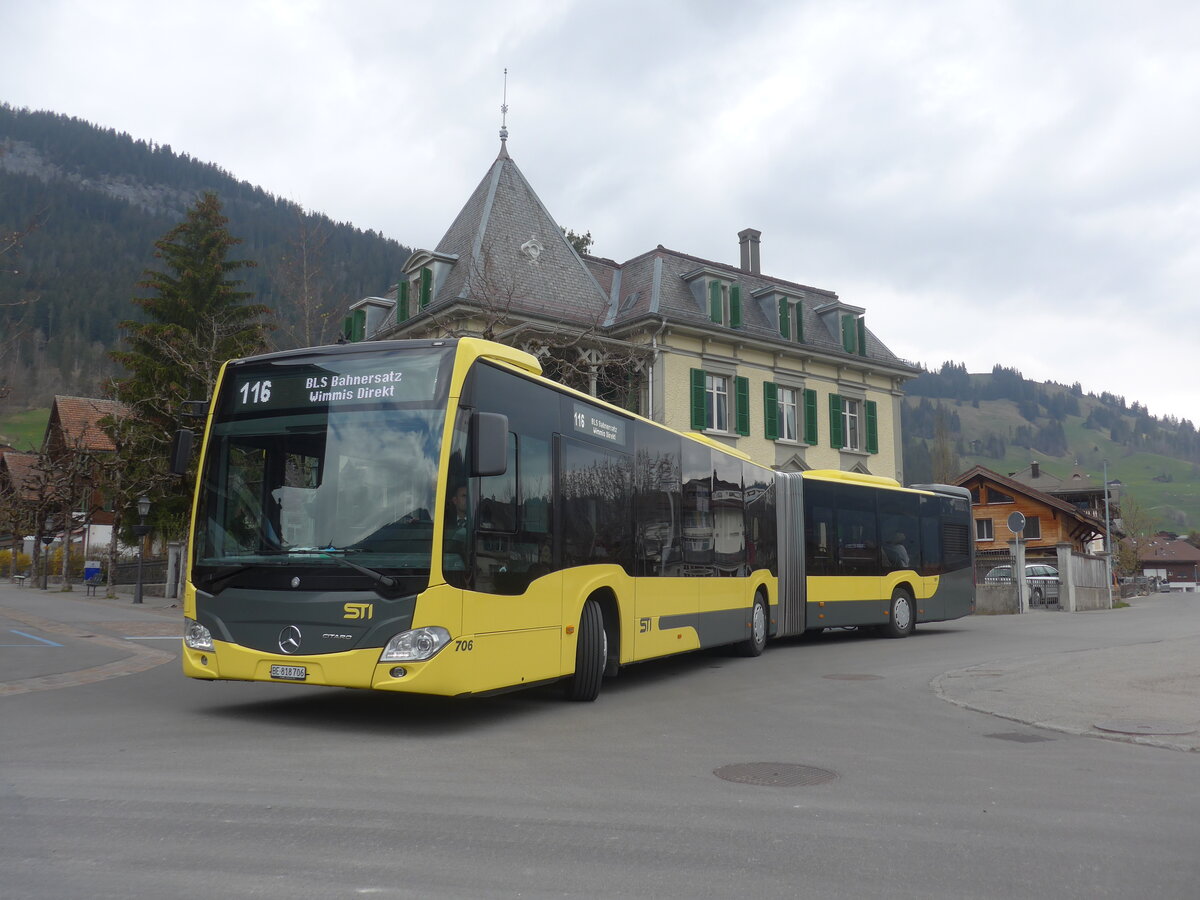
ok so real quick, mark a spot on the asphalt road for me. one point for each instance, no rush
(120, 778)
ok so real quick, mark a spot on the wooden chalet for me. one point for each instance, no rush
(1049, 520)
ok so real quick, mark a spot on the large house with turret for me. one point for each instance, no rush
(787, 373)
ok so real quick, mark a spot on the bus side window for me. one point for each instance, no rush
(931, 537)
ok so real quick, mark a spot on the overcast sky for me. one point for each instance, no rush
(995, 182)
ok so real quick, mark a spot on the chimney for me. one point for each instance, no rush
(1035, 470)
(748, 239)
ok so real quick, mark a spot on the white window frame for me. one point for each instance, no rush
(851, 423)
(986, 527)
(795, 311)
(787, 398)
(1032, 524)
(716, 401)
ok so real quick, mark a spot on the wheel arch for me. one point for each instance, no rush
(606, 598)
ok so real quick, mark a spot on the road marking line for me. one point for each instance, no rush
(139, 659)
(32, 637)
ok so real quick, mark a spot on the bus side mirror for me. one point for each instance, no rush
(181, 451)
(489, 444)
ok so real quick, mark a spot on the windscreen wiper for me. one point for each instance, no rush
(330, 553)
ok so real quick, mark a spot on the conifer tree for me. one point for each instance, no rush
(197, 316)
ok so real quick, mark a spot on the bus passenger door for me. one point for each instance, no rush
(513, 602)
(666, 597)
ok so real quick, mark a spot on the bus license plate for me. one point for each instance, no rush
(290, 673)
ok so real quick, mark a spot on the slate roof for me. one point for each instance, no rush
(504, 213)
(76, 418)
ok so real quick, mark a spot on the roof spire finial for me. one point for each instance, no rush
(504, 110)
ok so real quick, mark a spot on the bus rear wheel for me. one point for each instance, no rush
(757, 641)
(902, 618)
(591, 655)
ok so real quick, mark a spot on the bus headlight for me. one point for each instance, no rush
(415, 645)
(196, 636)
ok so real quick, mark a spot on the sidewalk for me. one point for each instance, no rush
(22, 597)
(1144, 693)
(79, 640)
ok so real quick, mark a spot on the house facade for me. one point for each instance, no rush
(75, 443)
(1171, 561)
(787, 373)
(1049, 521)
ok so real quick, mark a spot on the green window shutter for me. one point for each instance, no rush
(785, 321)
(699, 406)
(862, 336)
(426, 286)
(835, 421)
(810, 417)
(799, 321)
(402, 302)
(735, 306)
(872, 415)
(359, 327)
(714, 301)
(741, 390)
(771, 410)
(849, 333)
(348, 328)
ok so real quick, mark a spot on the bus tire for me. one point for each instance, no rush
(902, 618)
(757, 641)
(591, 655)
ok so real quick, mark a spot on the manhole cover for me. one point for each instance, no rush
(853, 677)
(775, 774)
(1145, 726)
(1019, 737)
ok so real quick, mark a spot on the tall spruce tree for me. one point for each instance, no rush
(197, 316)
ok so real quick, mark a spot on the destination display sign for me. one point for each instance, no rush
(393, 378)
(599, 423)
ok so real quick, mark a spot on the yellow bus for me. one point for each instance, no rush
(435, 517)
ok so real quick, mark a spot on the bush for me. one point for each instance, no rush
(74, 564)
(23, 563)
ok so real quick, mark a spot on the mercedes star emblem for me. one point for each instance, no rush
(289, 639)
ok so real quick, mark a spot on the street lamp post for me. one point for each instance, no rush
(47, 540)
(141, 530)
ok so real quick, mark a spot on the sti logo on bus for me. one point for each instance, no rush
(359, 611)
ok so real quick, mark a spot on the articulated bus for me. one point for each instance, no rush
(435, 517)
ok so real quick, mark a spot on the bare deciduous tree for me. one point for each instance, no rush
(501, 307)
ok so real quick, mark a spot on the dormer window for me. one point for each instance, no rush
(413, 293)
(847, 324)
(791, 319)
(725, 303)
(854, 334)
(717, 295)
(422, 277)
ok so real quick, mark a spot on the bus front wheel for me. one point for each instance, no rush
(902, 618)
(591, 655)
(757, 641)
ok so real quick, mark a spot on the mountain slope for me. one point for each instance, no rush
(92, 203)
(1005, 422)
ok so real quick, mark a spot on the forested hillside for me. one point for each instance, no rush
(88, 203)
(954, 420)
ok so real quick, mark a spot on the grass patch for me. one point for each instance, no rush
(24, 429)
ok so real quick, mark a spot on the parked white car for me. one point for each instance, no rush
(1043, 580)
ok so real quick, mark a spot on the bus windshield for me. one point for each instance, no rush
(322, 461)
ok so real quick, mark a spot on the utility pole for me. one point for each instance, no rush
(1107, 538)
